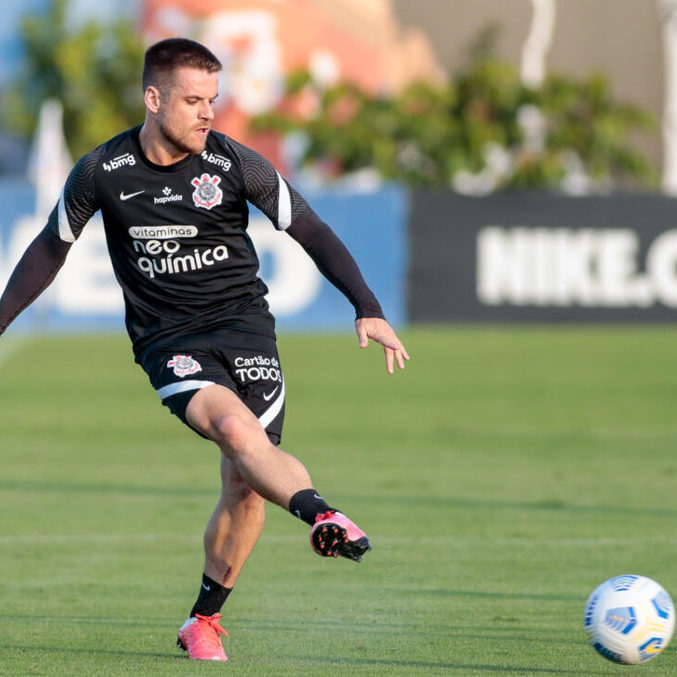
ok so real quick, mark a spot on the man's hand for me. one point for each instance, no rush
(380, 331)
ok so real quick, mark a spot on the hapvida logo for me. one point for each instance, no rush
(167, 196)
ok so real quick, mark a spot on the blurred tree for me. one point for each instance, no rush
(94, 70)
(474, 133)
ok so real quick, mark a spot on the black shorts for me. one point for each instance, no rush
(246, 363)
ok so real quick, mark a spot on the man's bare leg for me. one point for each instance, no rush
(234, 527)
(252, 469)
(221, 416)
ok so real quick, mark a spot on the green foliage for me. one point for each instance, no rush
(584, 116)
(429, 133)
(95, 71)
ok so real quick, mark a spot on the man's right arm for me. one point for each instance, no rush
(33, 274)
(47, 253)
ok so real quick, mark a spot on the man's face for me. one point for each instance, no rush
(185, 114)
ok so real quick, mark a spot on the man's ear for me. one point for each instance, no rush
(152, 98)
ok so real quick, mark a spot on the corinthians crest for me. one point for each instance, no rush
(184, 365)
(207, 193)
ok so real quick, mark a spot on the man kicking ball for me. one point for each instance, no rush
(173, 194)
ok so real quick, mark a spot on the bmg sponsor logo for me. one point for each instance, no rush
(125, 160)
(218, 160)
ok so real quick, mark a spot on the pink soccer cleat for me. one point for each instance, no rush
(333, 534)
(199, 636)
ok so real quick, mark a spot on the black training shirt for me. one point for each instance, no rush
(177, 235)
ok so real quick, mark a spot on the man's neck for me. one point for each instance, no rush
(157, 150)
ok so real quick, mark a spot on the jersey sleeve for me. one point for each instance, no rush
(267, 189)
(47, 253)
(77, 202)
(288, 210)
(335, 262)
(32, 275)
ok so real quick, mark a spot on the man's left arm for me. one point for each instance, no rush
(288, 210)
(336, 263)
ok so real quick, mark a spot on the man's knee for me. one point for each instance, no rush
(237, 435)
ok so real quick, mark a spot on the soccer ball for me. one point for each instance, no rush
(629, 619)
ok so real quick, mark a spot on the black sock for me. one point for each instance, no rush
(306, 505)
(211, 598)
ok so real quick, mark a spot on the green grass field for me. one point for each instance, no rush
(501, 477)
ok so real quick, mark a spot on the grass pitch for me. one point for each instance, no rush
(501, 477)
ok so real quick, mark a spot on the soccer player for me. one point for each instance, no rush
(173, 194)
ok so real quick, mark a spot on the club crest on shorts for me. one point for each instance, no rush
(207, 193)
(184, 365)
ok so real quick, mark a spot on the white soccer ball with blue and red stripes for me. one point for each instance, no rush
(629, 619)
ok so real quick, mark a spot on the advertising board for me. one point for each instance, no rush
(541, 257)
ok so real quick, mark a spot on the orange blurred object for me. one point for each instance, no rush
(260, 41)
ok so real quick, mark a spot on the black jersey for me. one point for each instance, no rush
(177, 235)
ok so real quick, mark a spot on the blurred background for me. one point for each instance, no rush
(485, 161)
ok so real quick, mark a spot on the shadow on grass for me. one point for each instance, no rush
(103, 488)
(503, 630)
(286, 626)
(96, 620)
(436, 666)
(95, 651)
(445, 592)
(323, 660)
(395, 500)
(484, 504)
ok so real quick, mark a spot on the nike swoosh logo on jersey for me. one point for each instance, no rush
(270, 395)
(124, 197)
